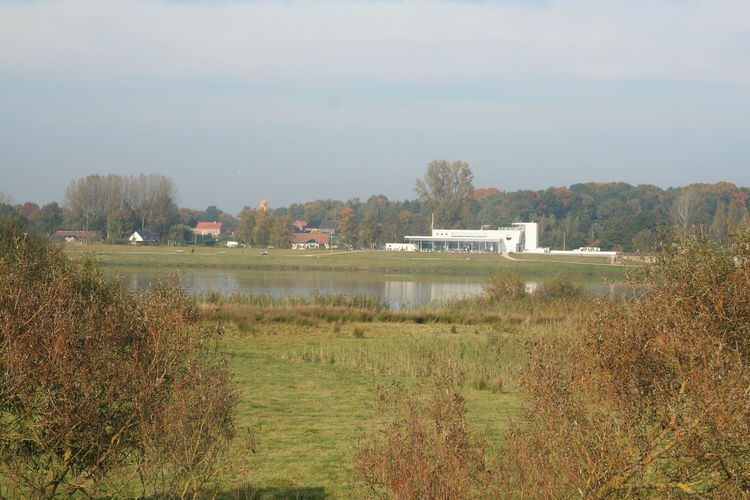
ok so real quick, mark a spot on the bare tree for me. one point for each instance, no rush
(93, 199)
(445, 189)
(684, 208)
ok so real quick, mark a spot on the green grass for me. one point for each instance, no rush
(309, 411)
(324, 260)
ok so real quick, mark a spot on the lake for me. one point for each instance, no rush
(400, 290)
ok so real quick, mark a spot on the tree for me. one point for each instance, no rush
(91, 200)
(211, 214)
(684, 208)
(262, 229)
(280, 233)
(50, 218)
(95, 377)
(246, 226)
(370, 230)
(120, 224)
(718, 228)
(445, 189)
(347, 227)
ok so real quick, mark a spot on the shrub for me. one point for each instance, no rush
(95, 377)
(559, 288)
(424, 449)
(651, 398)
(504, 286)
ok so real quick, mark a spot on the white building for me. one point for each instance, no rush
(401, 247)
(520, 237)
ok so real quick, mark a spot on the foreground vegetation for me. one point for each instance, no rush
(99, 383)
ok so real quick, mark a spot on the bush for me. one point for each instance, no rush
(424, 449)
(559, 288)
(95, 378)
(651, 398)
(504, 286)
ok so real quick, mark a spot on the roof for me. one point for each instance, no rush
(77, 234)
(209, 225)
(147, 235)
(329, 225)
(319, 238)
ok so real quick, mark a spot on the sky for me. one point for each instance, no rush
(297, 100)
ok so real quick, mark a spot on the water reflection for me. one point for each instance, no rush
(399, 290)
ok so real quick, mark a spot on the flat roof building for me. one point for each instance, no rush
(520, 237)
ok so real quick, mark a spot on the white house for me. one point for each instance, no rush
(143, 237)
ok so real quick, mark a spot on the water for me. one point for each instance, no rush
(400, 290)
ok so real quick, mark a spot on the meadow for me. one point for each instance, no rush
(340, 260)
(307, 370)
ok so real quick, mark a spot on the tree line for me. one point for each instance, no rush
(613, 216)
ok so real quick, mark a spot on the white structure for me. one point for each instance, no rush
(520, 237)
(143, 236)
(232, 244)
(401, 247)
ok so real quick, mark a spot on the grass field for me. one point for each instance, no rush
(308, 393)
(324, 260)
(307, 370)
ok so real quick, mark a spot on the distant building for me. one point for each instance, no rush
(401, 247)
(328, 226)
(74, 237)
(309, 241)
(520, 237)
(299, 225)
(143, 237)
(208, 228)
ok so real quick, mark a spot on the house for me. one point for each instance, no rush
(208, 228)
(143, 237)
(328, 226)
(74, 236)
(308, 241)
(299, 226)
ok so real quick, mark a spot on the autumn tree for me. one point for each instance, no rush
(246, 225)
(262, 230)
(445, 190)
(347, 227)
(370, 230)
(50, 218)
(280, 234)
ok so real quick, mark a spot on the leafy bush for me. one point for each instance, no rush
(651, 398)
(559, 288)
(95, 378)
(504, 286)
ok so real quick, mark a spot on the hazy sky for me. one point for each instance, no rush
(340, 99)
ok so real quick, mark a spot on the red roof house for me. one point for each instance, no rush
(302, 241)
(210, 228)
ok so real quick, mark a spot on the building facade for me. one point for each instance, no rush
(520, 237)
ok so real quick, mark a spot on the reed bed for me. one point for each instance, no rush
(354, 301)
(488, 361)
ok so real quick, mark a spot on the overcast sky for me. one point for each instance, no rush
(294, 100)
